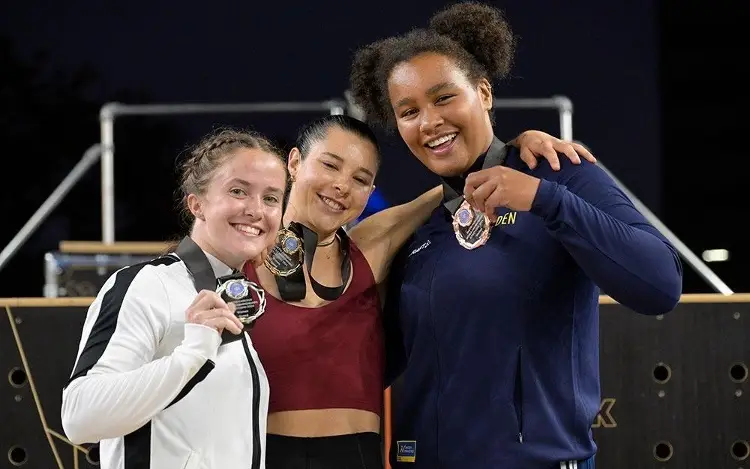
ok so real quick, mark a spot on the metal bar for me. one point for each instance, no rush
(110, 111)
(338, 110)
(107, 136)
(117, 109)
(566, 125)
(695, 262)
(527, 103)
(89, 158)
(563, 104)
(565, 108)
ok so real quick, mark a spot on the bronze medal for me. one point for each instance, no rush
(472, 227)
(285, 256)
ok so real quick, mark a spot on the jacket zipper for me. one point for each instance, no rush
(518, 397)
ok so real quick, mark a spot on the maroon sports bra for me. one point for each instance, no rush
(327, 357)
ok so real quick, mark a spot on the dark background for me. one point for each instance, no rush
(656, 88)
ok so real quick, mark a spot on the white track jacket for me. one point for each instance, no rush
(156, 392)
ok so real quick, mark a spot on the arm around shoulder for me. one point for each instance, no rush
(115, 373)
(381, 235)
(610, 239)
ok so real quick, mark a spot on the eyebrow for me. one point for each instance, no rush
(242, 182)
(337, 157)
(433, 90)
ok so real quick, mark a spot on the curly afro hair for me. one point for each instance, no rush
(475, 35)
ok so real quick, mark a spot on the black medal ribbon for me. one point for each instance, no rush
(495, 156)
(204, 279)
(293, 287)
(472, 227)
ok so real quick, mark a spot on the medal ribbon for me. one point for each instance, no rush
(204, 278)
(293, 288)
(496, 155)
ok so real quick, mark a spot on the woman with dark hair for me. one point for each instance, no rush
(495, 299)
(321, 343)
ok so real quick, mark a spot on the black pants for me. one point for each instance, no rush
(356, 451)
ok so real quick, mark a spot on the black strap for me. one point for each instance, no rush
(204, 278)
(197, 264)
(496, 155)
(293, 287)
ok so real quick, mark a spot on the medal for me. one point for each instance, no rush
(298, 244)
(248, 297)
(285, 256)
(472, 227)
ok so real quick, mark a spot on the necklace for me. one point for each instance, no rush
(328, 243)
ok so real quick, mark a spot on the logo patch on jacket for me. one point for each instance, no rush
(406, 451)
(423, 246)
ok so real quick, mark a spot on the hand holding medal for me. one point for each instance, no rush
(247, 299)
(500, 186)
(485, 191)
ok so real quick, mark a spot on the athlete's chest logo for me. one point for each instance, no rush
(508, 218)
(422, 247)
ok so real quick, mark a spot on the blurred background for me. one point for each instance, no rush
(658, 95)
(655, 87)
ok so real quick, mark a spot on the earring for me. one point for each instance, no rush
(291, 178)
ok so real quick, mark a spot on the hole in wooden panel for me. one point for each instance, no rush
(17, 456)
(93, 455)
(663, 451)
(738, 372)
(740, 450)
(17, 377)
(662, 373)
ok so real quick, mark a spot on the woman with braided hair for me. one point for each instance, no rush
(494, 302)
(165, 375)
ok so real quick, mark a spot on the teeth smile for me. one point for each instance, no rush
(441, 140)
(249, 230)
(332, 203)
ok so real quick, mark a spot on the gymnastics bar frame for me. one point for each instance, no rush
(106, 150)
(564, 107)
(110, 111)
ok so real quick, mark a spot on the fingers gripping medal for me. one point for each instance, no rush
(285, 256)
(471, 226)
(248, 298)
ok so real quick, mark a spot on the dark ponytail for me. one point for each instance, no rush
(317, 130)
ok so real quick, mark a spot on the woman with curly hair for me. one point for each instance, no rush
(322, 344)
(494, 302)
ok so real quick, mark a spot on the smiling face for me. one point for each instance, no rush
(334, 180)
(441, 115)
(239, 213)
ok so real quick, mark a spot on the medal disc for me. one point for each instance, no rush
(285, 256)
(472, 227)
(249, 298)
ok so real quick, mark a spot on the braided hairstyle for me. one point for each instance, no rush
(475, 35)
(205, 157)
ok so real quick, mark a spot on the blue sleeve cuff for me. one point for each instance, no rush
(547, 199)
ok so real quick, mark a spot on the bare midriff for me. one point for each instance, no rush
(322, 422)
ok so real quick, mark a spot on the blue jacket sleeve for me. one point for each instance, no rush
(395, 352)
(609, 239)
